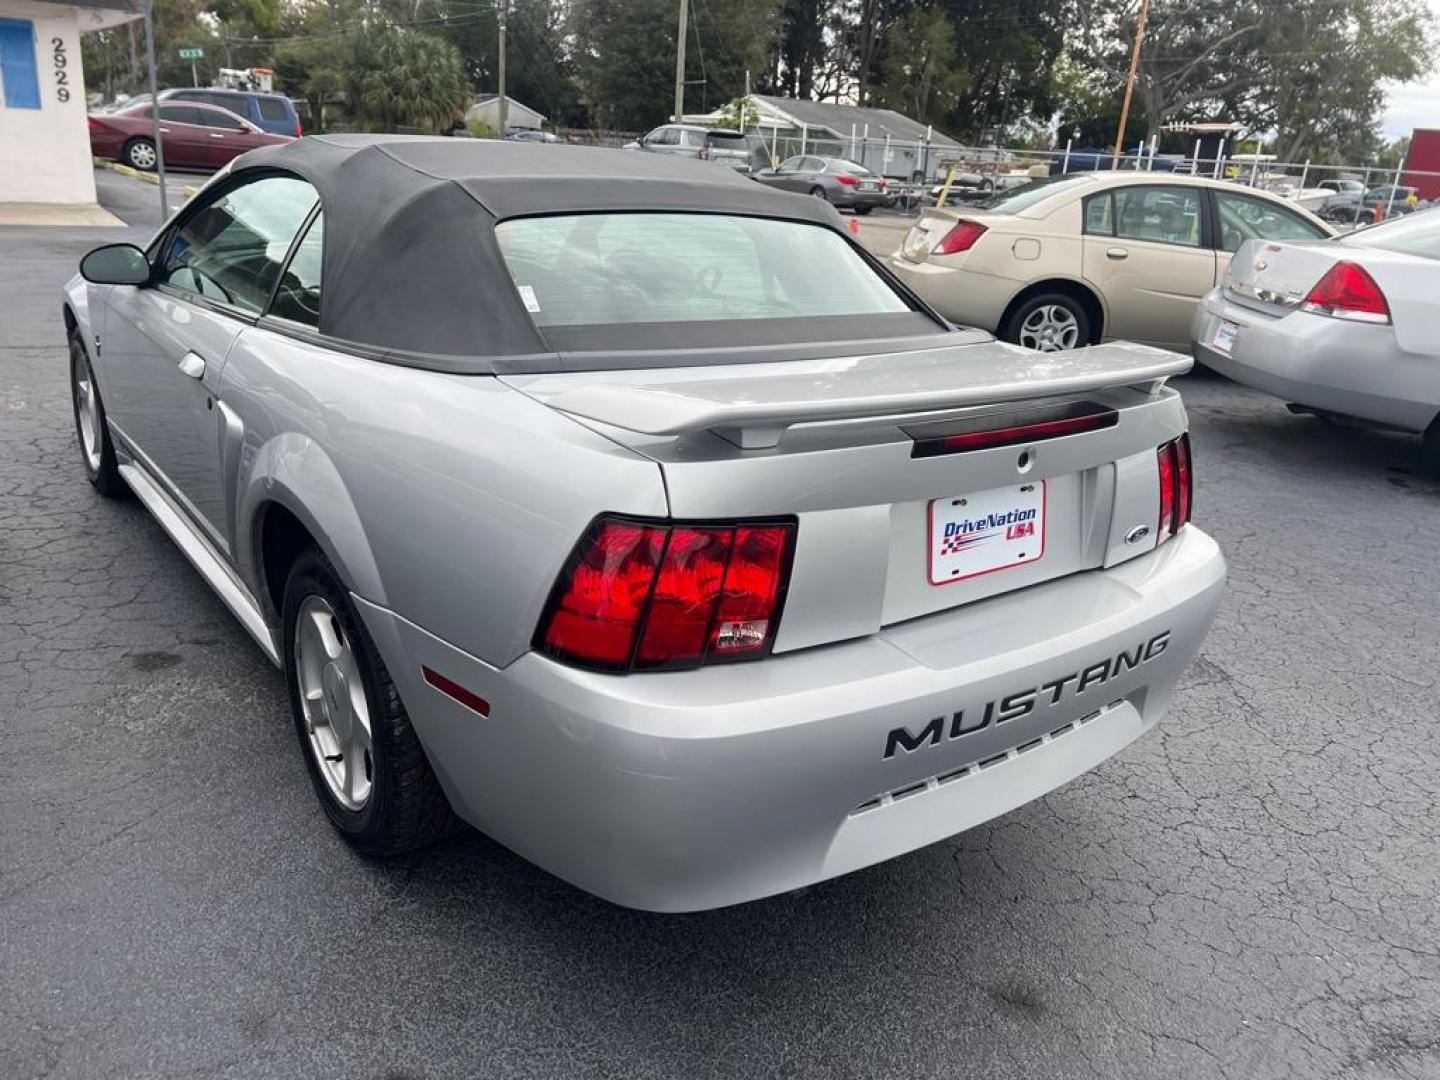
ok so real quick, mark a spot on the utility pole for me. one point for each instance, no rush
(500, 10)
(680, 60)
(155, 108)
(1130, 82)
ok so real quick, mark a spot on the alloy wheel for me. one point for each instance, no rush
(1050, 328)
(87, 411)
(332, 700)
(142, 155)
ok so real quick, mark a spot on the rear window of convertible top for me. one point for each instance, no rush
(606, 269)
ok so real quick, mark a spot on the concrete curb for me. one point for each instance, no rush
(189, 190)
(126, 170)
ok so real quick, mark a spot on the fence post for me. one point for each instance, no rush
(1065, 163)
(1195, 159)
(804, 130)
(1360, 202)
(1219, 163)
(1304, 174)
(1154, 146)
(1390, 203)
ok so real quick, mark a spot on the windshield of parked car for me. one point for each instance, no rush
(599, 269)
(1415, 234)
(1013, 200)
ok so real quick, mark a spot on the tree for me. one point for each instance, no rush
(405, 78)
(1323, 66)
(625, 55)
(1194, 55)
(923, 75)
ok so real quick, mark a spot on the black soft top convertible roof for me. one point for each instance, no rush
(412, 269)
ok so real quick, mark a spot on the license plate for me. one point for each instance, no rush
(867, 186)
(990, 530)
(1224, 339)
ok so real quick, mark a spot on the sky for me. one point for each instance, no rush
(1415, 104)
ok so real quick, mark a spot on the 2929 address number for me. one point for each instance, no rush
(59, 62)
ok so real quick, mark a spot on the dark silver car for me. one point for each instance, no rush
(839, 182)
(731, 148)
(571, 498)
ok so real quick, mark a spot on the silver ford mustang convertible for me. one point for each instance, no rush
(589, 512)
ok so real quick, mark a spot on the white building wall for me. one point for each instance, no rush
(45, 152)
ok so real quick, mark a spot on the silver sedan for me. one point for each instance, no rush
(1349, 327)
(839, 182)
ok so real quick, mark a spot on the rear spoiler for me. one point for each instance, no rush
(752, 404)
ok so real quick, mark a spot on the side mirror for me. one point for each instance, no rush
(115, 264)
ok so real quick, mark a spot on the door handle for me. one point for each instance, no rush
(192, 365)
(216, 135)
(1116, 253)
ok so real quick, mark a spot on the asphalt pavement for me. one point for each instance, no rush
(1249, 892)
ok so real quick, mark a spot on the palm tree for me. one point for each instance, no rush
(400, 78)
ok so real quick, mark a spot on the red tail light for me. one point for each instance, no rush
(638, 595)
(847, 179)
(94, 124)
(1175, 485)
(961, 238)
(298, 131)
(1347, 291)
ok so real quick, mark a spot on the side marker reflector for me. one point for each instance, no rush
(451, 689)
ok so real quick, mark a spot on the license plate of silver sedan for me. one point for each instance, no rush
(569, 501)
(1224, 339)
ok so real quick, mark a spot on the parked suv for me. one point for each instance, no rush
(728, 147)
(269, 112)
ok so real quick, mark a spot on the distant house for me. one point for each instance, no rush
(882, 140)
(487, 109)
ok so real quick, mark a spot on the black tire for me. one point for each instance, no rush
(863, 210)
(142, 149)
(1085, 332)
(819, 193)
(406, 808)
(104, 476)
(1430, 450)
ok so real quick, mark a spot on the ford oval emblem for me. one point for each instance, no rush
(1138, 533)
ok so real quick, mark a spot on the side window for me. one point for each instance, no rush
(667, 136)
(693, 138)
(1163, 215)
(1243, 218)
(1100, 215)
(298, 297)
(790, 164)
(813, 164)
(181, 114)
(231, 249)
(272, 108)
(224, 120)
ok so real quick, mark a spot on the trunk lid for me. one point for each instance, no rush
(934, 223)
(1274, 278)
(833, 442)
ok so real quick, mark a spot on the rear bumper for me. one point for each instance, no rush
(1354, 369)
(691, 790)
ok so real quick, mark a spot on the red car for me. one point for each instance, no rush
(195, 136)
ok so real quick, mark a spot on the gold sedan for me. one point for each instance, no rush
(1081, 258)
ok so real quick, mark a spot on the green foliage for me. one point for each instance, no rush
(480, 129)
(923, 75)
(1308, 73)
(625, 53)
(405, 79)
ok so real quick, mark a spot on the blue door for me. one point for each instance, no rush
(17, 64)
